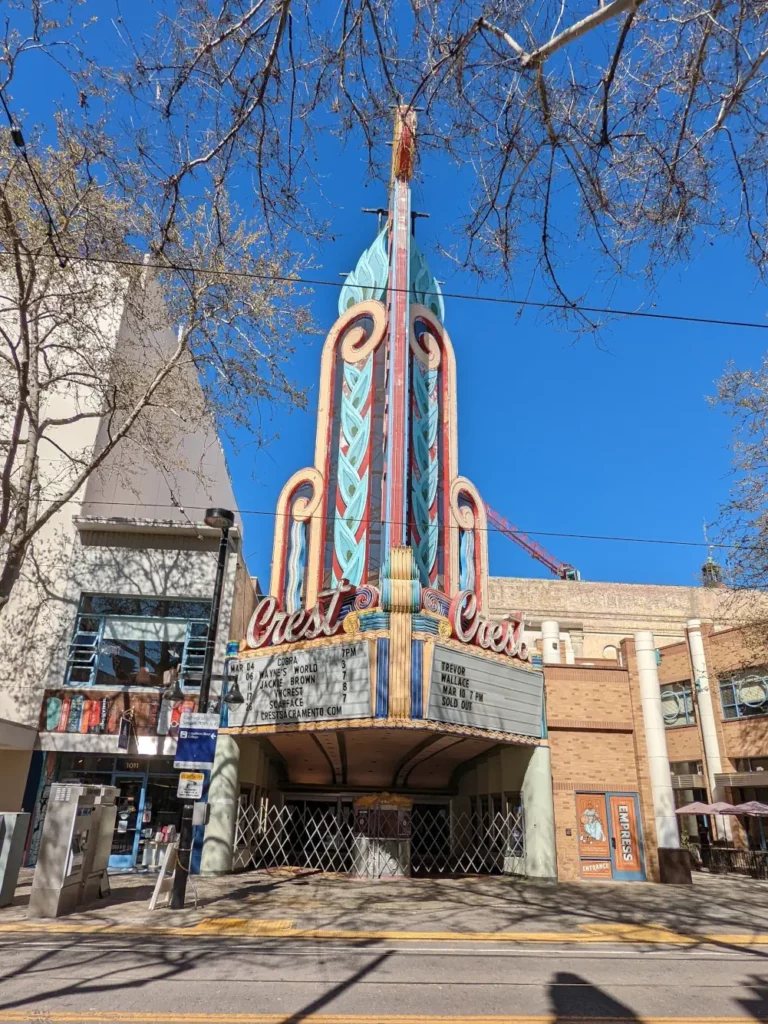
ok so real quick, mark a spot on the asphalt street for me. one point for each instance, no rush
(71, 978)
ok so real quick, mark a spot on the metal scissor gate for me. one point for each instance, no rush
(376, 842)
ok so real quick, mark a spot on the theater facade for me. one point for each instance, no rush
(389, 723)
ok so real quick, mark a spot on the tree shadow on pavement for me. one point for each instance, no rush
(572, 996)
(756, 1004)
(306, 1012)
(80, 970)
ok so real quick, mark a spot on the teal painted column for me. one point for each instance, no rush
(539, 809)
(223, 794)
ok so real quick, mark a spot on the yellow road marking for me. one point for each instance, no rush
(242, 926)
(589, 934)
(129, 1017)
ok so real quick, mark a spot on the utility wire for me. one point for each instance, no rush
(497, 300)
(370, 522)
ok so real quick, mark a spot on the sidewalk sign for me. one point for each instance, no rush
(197, 740)
(164, 885)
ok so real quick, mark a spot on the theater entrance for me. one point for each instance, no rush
(381, 836)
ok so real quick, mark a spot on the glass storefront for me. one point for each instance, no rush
(147, 807)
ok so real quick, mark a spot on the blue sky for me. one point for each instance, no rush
(559, 434)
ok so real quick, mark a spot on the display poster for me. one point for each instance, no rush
(468, 689)
(101, 713)
(318, 684)
(593, 825)
(124, 734)
(625, 832)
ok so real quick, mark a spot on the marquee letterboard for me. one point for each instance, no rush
(466, 689)
(321, 684)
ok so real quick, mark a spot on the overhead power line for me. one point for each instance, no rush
(565, 307)
(488, 529)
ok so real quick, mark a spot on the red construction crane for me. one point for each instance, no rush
(560, 569)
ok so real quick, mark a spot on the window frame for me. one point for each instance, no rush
(85, 646)
(683, 691)
(733, 709)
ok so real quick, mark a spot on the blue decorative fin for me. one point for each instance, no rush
(369, 278)
(424, 287)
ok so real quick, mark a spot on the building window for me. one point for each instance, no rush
(677, 705)
(686, 767)
(745, 694)
(131, 641)
(752, 764)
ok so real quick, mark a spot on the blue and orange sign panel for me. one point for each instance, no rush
(594, 844)
(596, 869)
(624, 829)
(593, 826)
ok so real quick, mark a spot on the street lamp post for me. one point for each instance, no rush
(222, 519)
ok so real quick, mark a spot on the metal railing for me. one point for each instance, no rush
(721, 860)
(377, 842)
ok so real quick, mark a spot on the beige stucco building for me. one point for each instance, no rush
(120, 579)
(592, 618)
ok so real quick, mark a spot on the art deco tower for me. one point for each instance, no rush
(385, 474)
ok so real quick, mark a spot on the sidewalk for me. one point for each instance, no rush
(303, 904)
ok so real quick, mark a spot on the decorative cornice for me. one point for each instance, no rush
(567, 786)
(590, 725)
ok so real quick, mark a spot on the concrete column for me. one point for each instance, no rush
(223, 795)
(539, 809)
(550, 642)
(707, 720)
(667, 835)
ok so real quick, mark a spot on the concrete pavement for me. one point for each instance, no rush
(294, 904)
(276, 981)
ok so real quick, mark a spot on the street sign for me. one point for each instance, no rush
(190, 785)
(197, 740)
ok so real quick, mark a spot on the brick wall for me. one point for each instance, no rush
(684, 743)
(592, 718)
(726, 651)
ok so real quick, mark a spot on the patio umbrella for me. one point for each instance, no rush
(753, 808)
(721, 807)
(697, 807)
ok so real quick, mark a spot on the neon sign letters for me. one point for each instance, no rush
(469, 626)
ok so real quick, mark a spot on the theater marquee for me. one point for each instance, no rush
(321, 684)
(469, 690)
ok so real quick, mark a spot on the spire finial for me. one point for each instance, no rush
(711, 573)
(403, 144)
